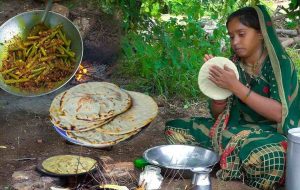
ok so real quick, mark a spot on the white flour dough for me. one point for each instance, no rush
(207, 87)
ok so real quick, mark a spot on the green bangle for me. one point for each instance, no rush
(247, 95)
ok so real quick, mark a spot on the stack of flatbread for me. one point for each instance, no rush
(100, 113)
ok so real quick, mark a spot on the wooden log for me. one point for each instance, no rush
(282, 39)
(288, 32)
(290, 41)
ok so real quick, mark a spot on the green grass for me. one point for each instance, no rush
(295, 56)
(164, 58)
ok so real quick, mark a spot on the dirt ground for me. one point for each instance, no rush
(26, 132)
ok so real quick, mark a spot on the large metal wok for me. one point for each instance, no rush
(21, 25)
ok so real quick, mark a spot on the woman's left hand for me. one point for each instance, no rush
(223, 78)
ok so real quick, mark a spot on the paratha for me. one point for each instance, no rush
(94, 101)
(98, 139)
(89, 105)
(143, 110)
(69, 164)
(68, 123)
(207, 87)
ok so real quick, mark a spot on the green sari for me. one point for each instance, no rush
(251, 148)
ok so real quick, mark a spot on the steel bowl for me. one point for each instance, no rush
(20, 25)
(182, 157)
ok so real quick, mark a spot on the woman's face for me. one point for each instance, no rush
(245, 41)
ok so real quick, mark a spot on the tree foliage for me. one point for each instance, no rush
(164, 56)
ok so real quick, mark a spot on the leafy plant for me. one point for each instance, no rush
(291, 24)
(163, 57)
(294, 4)
(166, 58)
(295, 56)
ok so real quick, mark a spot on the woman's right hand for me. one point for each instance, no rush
(207, 57)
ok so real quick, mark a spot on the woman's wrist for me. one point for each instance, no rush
(247, 95)
(235, 86)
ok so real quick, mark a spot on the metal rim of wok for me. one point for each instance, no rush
(185, 157)
(20, 25)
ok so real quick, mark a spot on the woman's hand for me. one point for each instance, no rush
(207, 57)
(223, 78)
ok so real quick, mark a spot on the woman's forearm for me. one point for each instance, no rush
(267, 107)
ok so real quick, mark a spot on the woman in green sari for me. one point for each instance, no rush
(249, 128)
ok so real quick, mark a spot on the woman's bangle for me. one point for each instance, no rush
(247, 95)
(219, 103)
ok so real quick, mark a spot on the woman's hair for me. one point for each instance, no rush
(247, 16)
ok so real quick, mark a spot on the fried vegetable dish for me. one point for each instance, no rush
(41, 60)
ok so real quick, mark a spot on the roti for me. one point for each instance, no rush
(68, 123)
(143, 110)
(98, 139)
(90, 130)
(206, 86)
(89, 105)
(69, 164)
(94, 101)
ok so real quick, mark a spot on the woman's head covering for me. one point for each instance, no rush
(285, 73)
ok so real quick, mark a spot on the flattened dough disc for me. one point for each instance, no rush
(207, 87)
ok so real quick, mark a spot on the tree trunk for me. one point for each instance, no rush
(288, 32)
